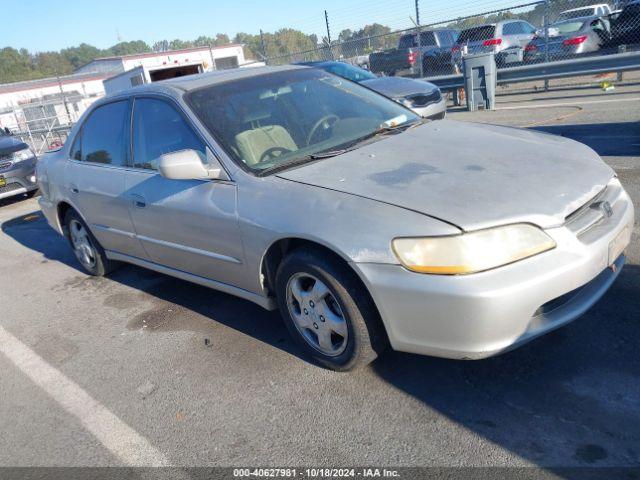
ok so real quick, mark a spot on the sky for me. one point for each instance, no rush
(54, 24)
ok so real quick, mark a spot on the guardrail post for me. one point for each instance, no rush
(621, 49)
(546, 38)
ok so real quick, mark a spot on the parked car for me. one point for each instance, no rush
(507, 39)
(434, 51)
(568, 39)
(598, 10)
(365, 224)
(17, 167)
(625, 27)
(422, 97)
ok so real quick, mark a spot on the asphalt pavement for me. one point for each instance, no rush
(143, 369)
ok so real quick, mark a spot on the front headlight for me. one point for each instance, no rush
(22, 155)
(472, 252)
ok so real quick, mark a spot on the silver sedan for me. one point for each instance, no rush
(366, 225)
(422, 97)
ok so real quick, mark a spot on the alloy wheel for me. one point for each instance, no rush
(317, 314)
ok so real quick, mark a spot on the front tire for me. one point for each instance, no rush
(86, 247)
(327, 310)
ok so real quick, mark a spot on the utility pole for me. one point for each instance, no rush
(64, 99)
(213, 60)
(326, 20)
(419, 35)
(262, 47)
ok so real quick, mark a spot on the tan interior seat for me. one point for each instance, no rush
(253, 143)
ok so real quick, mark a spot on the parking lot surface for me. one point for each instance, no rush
(143, 369)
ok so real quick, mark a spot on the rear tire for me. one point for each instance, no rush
(86, 247)
(327, 311)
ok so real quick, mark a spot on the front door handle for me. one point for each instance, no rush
(138, 201)
(73, 188)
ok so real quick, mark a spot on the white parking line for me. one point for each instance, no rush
(570, 104)
(118, 437)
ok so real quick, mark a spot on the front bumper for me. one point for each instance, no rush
(480, 315)
(19, 177)
(433, 111)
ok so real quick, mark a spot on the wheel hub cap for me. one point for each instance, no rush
(316, 314)
(82, 246)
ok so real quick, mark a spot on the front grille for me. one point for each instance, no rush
(588, 215)
(4, 165)
(422, 100)
(10, 187)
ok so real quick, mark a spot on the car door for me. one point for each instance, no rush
(95, 177)
(187, 225)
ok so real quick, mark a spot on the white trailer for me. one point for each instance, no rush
(142, 74)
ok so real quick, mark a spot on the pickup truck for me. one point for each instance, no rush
(434, 51)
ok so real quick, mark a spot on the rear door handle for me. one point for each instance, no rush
(138, 201)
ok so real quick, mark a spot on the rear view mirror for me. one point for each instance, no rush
(189, 165)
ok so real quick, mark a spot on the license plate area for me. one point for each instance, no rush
(619, 243)
(3, 181)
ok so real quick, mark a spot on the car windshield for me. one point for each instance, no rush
(585, 12)
(282, 118)
(564, 28)
(350, 72)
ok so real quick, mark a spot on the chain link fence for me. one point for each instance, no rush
(44, 123)
(519, 34)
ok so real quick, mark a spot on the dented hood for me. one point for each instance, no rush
(469, 174)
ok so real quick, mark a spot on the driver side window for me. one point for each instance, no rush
(158, 128)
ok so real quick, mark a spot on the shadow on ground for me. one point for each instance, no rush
(607, 139)
(567, 399)
(32, 231)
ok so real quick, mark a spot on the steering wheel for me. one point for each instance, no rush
(325, 122)
(268, 154)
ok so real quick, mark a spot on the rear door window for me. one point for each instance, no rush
(407, 41)
(427, 39)
(104, 135)
(158, 128)
(477, 34)
(512, 29)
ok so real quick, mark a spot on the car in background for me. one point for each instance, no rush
(507, 39)
(625, 26)
(433, 50)
(17, 167)
(422, 97)
(460, 240)
(599, 10)
(569, 38)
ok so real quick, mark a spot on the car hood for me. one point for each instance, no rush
(467, 174)
(10, 145)
(398, 87)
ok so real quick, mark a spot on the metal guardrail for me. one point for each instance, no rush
(619, 62)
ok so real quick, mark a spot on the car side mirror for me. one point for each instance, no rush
(189, 165)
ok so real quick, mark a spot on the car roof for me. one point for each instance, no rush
(594, 6)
